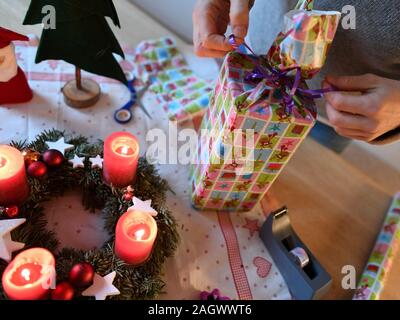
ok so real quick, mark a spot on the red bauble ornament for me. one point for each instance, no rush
(53, 158)
(81, 275)
(37, 169)
(63, 291)
(12, 212)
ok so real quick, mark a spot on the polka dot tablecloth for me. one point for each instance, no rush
(217, 250)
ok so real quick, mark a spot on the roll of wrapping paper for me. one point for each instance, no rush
(380, 262)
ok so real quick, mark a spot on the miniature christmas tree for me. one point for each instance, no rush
(83, 38)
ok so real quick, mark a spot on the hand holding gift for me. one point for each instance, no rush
(366, 107)
(262, 106)
(210, 21)
(369, 116)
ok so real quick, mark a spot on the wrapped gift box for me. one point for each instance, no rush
(251, 131)
(224, 179)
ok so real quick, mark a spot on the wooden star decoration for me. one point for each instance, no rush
(97, 162)
(7, 245)
(102, 287)
(60, 145)
(77, 162)
(143, 206)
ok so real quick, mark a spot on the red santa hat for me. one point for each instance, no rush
(7, 36)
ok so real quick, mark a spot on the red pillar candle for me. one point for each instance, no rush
(121, 156)
(14, 188)
(30, 275)
(135, 234)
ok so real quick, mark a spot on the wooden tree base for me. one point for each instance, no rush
(84, 98)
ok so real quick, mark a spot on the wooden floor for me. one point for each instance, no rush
(337, 203)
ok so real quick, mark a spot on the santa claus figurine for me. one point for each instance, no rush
(14, 87)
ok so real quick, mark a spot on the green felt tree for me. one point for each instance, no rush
(81, 36)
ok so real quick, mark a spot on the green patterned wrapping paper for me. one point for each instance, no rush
(182, 94)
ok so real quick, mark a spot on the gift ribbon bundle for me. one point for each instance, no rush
(288, 63)
(279, 79)
(268, 95)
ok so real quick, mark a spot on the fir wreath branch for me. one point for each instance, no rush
(134, 282)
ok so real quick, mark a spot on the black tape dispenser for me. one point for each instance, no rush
(304, 275)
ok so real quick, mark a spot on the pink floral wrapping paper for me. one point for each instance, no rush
(251, 136)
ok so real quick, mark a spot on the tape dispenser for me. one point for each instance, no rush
(304, 275)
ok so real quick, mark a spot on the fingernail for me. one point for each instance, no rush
(240, 32)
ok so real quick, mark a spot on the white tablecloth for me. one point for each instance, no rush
(216, 251)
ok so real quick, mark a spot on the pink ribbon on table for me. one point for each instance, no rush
(281, 79)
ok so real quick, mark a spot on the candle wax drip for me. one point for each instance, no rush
(125, 150)
(139, 232)
(3, 162)
(27, 274)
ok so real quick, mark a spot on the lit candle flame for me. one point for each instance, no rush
(26, 274)
(3, 162)
(139, 234)
(125, 150)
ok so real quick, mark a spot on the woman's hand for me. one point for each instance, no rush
(369, 109)
(210, 21)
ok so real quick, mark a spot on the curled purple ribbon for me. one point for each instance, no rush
(281, 79)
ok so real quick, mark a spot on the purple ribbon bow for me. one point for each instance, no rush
(281, 79)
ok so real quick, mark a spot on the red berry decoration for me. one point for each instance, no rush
(81, 275)
(53, 158)
(37, 169)
(12, 212)
(63, 291)
(129, 193)
(128, 197)
(30, 156)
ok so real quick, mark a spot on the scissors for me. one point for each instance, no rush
(124, 114)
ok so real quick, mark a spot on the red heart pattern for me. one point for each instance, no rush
(263, 266)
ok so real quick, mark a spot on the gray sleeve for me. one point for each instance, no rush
(266, 20)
